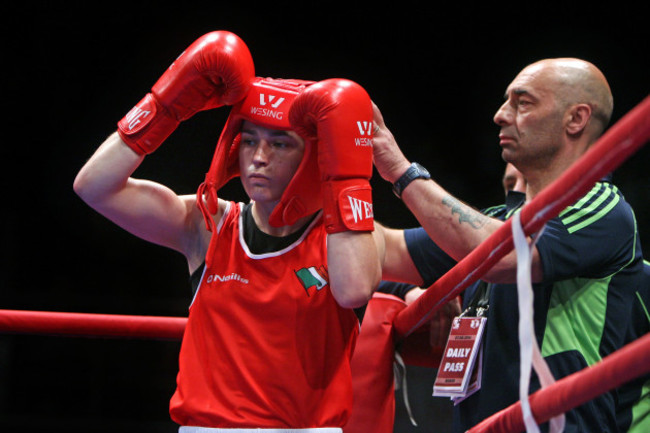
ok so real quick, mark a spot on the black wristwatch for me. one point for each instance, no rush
(415, 171)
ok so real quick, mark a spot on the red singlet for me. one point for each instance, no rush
(266, 345)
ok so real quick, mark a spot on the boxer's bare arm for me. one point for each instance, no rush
(144, 208)
(329, 107)
(215, 70)
(397, 264)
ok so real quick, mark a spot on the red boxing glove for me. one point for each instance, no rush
(337, 113)
(215, 70)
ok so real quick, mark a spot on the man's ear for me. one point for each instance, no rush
(579, 116)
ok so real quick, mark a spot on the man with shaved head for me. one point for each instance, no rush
(585, 263)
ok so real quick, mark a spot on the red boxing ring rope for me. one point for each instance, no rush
(571, 391)
(621, 140)
(87, 324)
(565, 394)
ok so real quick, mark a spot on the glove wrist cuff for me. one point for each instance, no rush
(347, 205)
(146, 126)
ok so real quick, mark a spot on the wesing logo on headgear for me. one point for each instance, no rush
(268, 112)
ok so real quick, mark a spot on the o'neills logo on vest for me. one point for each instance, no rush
(223, 278)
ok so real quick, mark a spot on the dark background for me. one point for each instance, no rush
(73, 69)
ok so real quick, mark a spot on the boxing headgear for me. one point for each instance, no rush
(267, 104)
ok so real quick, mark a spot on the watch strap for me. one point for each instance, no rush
(415, 171)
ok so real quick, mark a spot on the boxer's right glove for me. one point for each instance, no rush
(215, 70)
(337, 113)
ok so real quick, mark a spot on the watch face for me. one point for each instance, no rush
(421, 171)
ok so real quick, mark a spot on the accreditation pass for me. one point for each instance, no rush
(459, 373)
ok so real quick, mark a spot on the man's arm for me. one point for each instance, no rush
(456, 227)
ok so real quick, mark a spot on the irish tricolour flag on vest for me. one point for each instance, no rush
(312, 277)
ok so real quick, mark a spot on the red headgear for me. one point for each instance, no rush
(267, 104)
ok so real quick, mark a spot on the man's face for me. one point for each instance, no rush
(268, 159)
(531, 119)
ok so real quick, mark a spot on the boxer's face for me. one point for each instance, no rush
(268, 159)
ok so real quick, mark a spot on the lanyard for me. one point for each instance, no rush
(480, 302)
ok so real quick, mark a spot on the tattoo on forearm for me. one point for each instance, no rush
(465, 214)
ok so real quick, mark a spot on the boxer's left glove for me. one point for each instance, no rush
(213, 71)
(337, 113)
